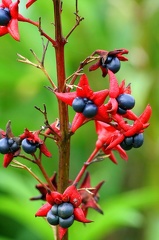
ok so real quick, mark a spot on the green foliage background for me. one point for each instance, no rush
(130, 195)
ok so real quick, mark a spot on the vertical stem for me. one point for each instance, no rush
(64, 143)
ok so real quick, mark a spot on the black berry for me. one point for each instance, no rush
(65, 223)
(78, 104)
(90, 110)
(4, 16)
(28, 146)
(138, 140)
(65, 210)
(4, 146)
(112, 63)
(125, 101)
(52, 219)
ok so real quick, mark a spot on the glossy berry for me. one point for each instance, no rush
(90, 110)
(121, 111)
(13, 145)
(4, 146)
(4, 16)
(66, 223)
(78, 104)
(52, 219)
(65, 210)
(138, 140)
(125, 146)
(125, 101)
(112, 63)
(28, 146)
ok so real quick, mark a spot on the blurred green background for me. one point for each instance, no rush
(130, 195)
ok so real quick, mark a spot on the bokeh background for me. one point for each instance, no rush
(130, 195)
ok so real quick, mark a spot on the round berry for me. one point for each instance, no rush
(65, 210)
(125, 101)
(4, 16)
(54, 209)
(138, 140)
(112, 63)
(90, 110)
(52, 219)
(66, 223)
(14, 147)
(78, 104)
(4, 146)
(125, 146)
(29, 146)
(121, 111)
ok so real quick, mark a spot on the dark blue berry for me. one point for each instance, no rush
(65, 223)
(14, 147)
(65, 210)
(125, 101)
(78, 104)
(29, 146)
(121, 111)
(4, 16)
(52, 219)
(125, 146)
(112, 63)
(4, 146)
(54, 209)
(90, 110)
(138, 140)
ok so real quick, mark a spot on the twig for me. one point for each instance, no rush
(45, 35)
(40, 64)
(22, 166)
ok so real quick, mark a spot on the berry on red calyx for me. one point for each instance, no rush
(135, 141)
(29, 146)
(112, 63)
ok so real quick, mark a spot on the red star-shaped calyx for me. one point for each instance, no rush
(9, 19)
(90, 195)
(63, 209)
(86, 103)
(109, 60)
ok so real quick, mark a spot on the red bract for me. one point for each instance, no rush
(30, 2)
(12, 26)
(89, 195)
(84, 91)
(42, 189)
(106, 135)
(55, 199)
(104, 55)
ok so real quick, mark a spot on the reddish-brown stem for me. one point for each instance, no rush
(64, 142)
(86, 164)
(38, 162)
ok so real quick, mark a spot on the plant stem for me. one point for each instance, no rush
(86, 164)
(64, 142)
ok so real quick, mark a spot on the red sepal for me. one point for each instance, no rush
(73, 195)
(79, 216)
(42, 212)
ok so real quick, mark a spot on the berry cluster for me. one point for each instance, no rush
(61, 214)
(5, 16)
(135, 141)
(85, 106)
(8, 145)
